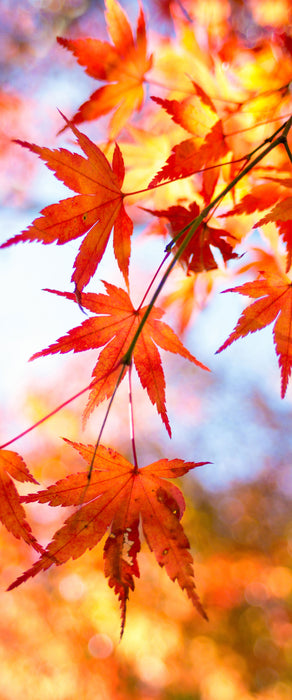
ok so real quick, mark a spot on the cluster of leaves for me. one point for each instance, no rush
(209, 148)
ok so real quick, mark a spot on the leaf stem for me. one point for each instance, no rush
(49, 415)
(288, 150)
(190, 91)
(89, 473)
(255, 126)
(132, 426)
(153, 279)
(119, 379)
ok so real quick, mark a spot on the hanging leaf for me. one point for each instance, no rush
(114, 325)
(95, 211)
(118, 496)
(122, 65)
(12, 513)
(273, 292)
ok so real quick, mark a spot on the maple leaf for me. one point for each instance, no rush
(273, 292)
(96, 210)
(281, 214)
(12, 513)
(207, 145)
(114, 325)
(196, 114)
(261, 197)
(122, 65)
(118, 496)
(197, 255)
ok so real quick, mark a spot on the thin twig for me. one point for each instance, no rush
(49, 415)
(132, 426)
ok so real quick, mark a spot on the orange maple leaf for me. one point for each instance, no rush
(261, 197)
(274, 294)
(198, 254)
(198, 116)
(281, 214)
(117, 497)
(94, 211)
(12, 513)
(114, 325)
(122, 65)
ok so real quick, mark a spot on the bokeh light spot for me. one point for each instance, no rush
(72, 587)
(100, 646)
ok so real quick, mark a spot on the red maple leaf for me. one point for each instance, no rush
(118, 496)
(281, 214)
(96, 210)
(114, 325)
(198, 254)
(273, 292)
(207, 145)
(122, 65)
(12, 513)
(261, 197)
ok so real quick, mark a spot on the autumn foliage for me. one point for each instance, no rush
(117, 496)
(194, 149)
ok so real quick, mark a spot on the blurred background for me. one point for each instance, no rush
(59, 632)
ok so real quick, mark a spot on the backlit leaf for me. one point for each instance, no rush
(114, 501)
(95, 211)
(12, 513)
(198, 255)
(114, 325)
(206, 147)
(122, 66)
(281, 214)
(273, 292)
